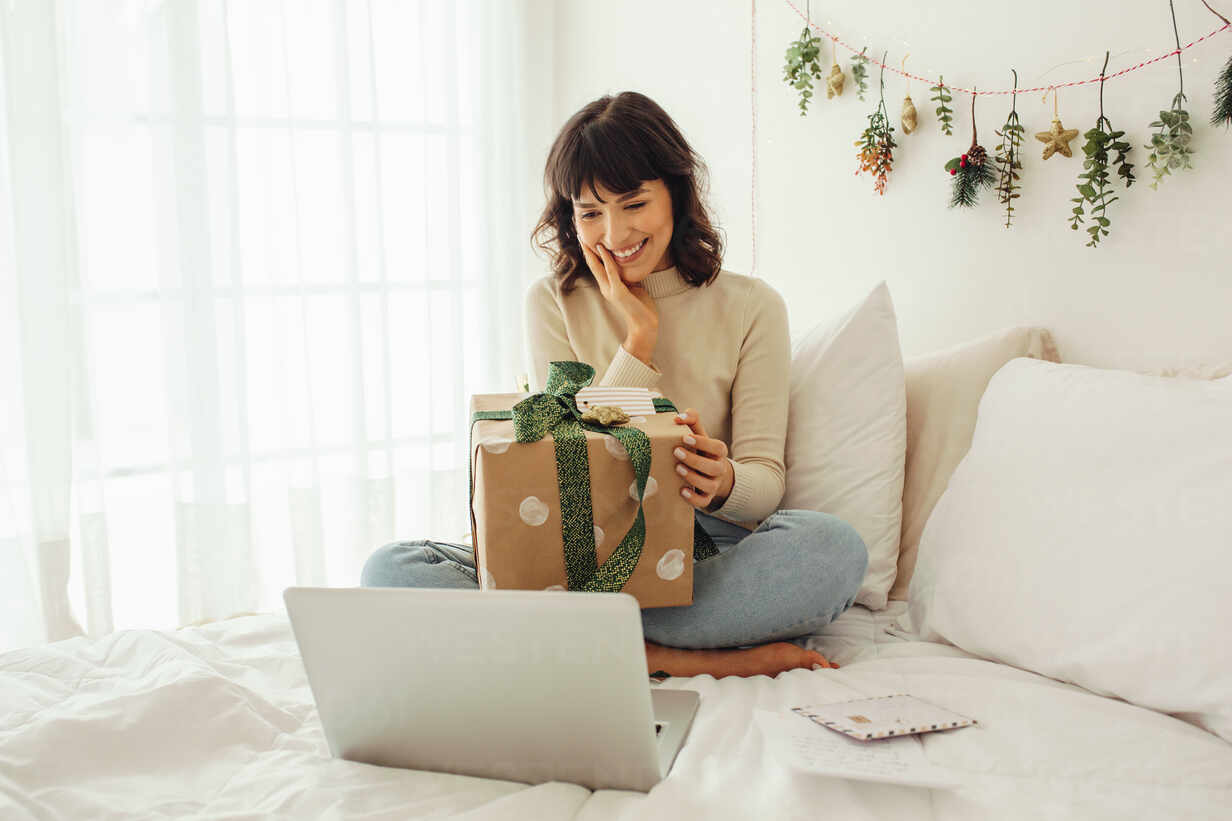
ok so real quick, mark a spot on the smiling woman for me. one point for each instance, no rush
(635, 257)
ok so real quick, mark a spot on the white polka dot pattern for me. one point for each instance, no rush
(486, 582)
(671, 565)
(615, 448)
(651, 488)
(641, 420)
(533, 511)
(598, 536)
(555, 587)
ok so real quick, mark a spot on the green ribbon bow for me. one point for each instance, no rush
(555, 411)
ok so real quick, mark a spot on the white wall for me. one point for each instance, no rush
(1156, 293)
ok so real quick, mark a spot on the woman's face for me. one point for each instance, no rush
(622, 221)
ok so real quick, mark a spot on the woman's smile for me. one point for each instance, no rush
(625, 260)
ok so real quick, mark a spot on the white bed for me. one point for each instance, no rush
(217, 721)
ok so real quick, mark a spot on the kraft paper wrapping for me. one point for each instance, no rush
(515, 512)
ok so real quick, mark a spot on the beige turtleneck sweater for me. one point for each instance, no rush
(723, 349)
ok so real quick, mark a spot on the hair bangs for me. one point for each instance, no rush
(605, 154)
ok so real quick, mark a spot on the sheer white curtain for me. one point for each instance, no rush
(254, 256)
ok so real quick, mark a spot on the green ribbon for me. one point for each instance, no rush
(555, 412)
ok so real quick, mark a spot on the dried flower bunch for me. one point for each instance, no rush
(877, 144)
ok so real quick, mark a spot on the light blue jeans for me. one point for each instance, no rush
(796, 573)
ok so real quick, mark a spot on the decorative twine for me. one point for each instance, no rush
(838, 41)
(1014, 91)
(1054, 94)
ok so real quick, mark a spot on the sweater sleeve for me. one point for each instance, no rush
(627, 371)
(759, 409)
(546, 338)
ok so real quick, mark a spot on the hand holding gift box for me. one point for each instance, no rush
(558, 502)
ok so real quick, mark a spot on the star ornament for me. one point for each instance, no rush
(1057, 139)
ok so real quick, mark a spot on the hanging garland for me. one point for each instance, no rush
(1096, 190)
(838, 41)
(876, 144)
(1104, 149)
(971, 172)
(1170, 143)
(1008, 158)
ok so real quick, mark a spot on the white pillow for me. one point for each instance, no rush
(847, 432)
(943, 396)
(1087, 536)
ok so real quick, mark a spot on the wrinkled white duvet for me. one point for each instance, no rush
(218, 721)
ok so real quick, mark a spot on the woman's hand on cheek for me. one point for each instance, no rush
(702, 464)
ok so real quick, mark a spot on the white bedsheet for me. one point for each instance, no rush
(217, 721)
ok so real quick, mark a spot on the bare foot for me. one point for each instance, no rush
(763, 660)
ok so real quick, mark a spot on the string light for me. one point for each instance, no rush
(1172, 52)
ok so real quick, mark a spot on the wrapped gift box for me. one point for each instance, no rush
(516, 506)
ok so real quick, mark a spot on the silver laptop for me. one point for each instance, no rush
(521, 685)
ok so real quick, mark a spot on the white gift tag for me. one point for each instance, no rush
(633, 401)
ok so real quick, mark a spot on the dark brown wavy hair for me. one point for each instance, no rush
(620, 142)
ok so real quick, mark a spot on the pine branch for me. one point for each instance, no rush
(972, 173)
(1222, 114)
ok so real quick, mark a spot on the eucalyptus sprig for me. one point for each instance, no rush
(877, 144)
(944, 113)
(803, 67)
(1095, 187)
(859, 70)
(1009, 158)
(1170, 143)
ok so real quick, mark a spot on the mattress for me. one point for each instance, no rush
(217, 721)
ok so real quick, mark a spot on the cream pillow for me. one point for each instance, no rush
(1085, 537)
(846, 432)
(943, 394)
